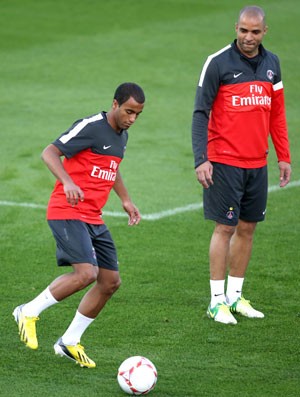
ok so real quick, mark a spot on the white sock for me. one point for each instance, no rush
(217, 292)
(234, 289)
(76, 329)
(44, 300)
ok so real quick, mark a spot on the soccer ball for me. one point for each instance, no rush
(137, 375)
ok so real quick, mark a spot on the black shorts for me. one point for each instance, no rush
(237, 193)
(79, 242)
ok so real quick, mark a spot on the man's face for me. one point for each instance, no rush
(126, 114)
(250, 32)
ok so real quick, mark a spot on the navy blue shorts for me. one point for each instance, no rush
(237, 193)
(79, 242)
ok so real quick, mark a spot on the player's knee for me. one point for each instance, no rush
(114, 286)
(117, 284)
(87, 277)
(109, 288)
(225, 230)
(246, 229)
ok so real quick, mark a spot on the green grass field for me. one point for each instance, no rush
(63, 60)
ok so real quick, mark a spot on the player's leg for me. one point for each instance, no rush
(253, 208)
(218, 252)
(241, 248)
(92, 303)
(221, 204)
(73, 244)
(94, 300)
(107, 283)
(83, 275)
(27, 314)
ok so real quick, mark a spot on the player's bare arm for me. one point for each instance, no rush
(204, 174)
(51, 155)
(129, 207)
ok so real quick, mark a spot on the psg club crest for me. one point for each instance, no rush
(270, 74)
(230, 213)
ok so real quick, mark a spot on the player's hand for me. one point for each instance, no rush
(133, 212)
(204, 174)
(73, 193)
(285, 173)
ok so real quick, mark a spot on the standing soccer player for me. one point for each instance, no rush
(93, 148)
(239, 101)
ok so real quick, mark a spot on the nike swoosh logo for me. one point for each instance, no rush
(237, 75)
(106, 147)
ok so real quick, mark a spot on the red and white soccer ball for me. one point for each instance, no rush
(137, 375)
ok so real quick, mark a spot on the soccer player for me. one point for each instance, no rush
(93, 148)
(239, 102)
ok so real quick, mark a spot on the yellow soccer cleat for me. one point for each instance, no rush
(27, 328)
(75, 353)
(243, 307)
(221, 314)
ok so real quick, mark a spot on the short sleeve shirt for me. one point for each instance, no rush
(92, 152)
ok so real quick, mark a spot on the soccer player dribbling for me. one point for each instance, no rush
(93, 149)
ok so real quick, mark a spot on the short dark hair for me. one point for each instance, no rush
(127, 90)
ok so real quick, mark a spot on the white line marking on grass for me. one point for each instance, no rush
(26, 205)
(149, 217)
(174, 211)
